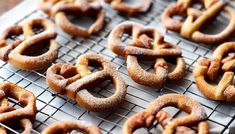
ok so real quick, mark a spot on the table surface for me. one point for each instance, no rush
(52, 107)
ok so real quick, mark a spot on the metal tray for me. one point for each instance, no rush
(52, 107)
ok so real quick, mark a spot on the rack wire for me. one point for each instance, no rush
(52, 107)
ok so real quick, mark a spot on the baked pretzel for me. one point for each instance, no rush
(67, 126)
(75, 80)
(8, 114)
(147, 44)
(25, 98)
(130, 10)
(21, 52)
(60, 9)
(195, 19)
(210, 69)
(153, 112)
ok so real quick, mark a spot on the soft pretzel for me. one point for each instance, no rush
(210, 69)
(67, 126)
(25, 98)
(9, 114)
(196, 19)
(75, 80)
(16, 52)
(147, 44)
(153, 112)
(60, 9)
(130, 10)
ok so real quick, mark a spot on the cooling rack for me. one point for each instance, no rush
(52, 107)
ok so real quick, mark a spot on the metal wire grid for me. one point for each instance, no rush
(52, 107)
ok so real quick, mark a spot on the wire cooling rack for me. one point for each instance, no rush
(52, 107)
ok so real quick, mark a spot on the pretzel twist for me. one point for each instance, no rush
(75, 80)
(130, 10)
(16, 52)
(60, 9)
(196, 19)
(210, 69)
(153, 112)
(10, 114)
(147, 44)
(67, 126)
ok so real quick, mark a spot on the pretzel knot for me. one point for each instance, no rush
(61, 9)
(8, 114)
(75, 80)
(22, 52)
(67, 126)
(210, 69)
(147, 44)
(130, 10)
(153, 112)
(195, 19)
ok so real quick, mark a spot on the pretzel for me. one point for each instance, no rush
(224, 90)
(59, 9)
(75, 80)
(10, 114)
(25, 98)
(16, 52)
(195, 19)
(130, 10)
(147, 44)
(67, 126)
(146, 118)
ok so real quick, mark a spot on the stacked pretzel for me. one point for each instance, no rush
(11, 116)
(195, 19)
(61, 9)
(73, 81)
(153, 113)
(147, 44)
(210, 69)
(21, 52)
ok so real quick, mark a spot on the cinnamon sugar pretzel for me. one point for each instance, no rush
(196, 19)
(16, 52)
(67, 126)
(153, 112)
(130, 10)
(60, 9)
(146, 44)
(210, 70)
(9, 114)
(75, 80)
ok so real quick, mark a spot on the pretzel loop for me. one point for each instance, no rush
(67, 126)
(196, 19)
(147, 44)
(210, 69)
(130, 10)
(153, 112)
(60, 10)
(80, 79)
(21, 53)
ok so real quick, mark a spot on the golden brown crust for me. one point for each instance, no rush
(210, 69)
(68, 126)
(153, 112)
(60, 9)
(76, 84)
(14, 53)
(195, 19)
(147, 44)
(130, 10)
